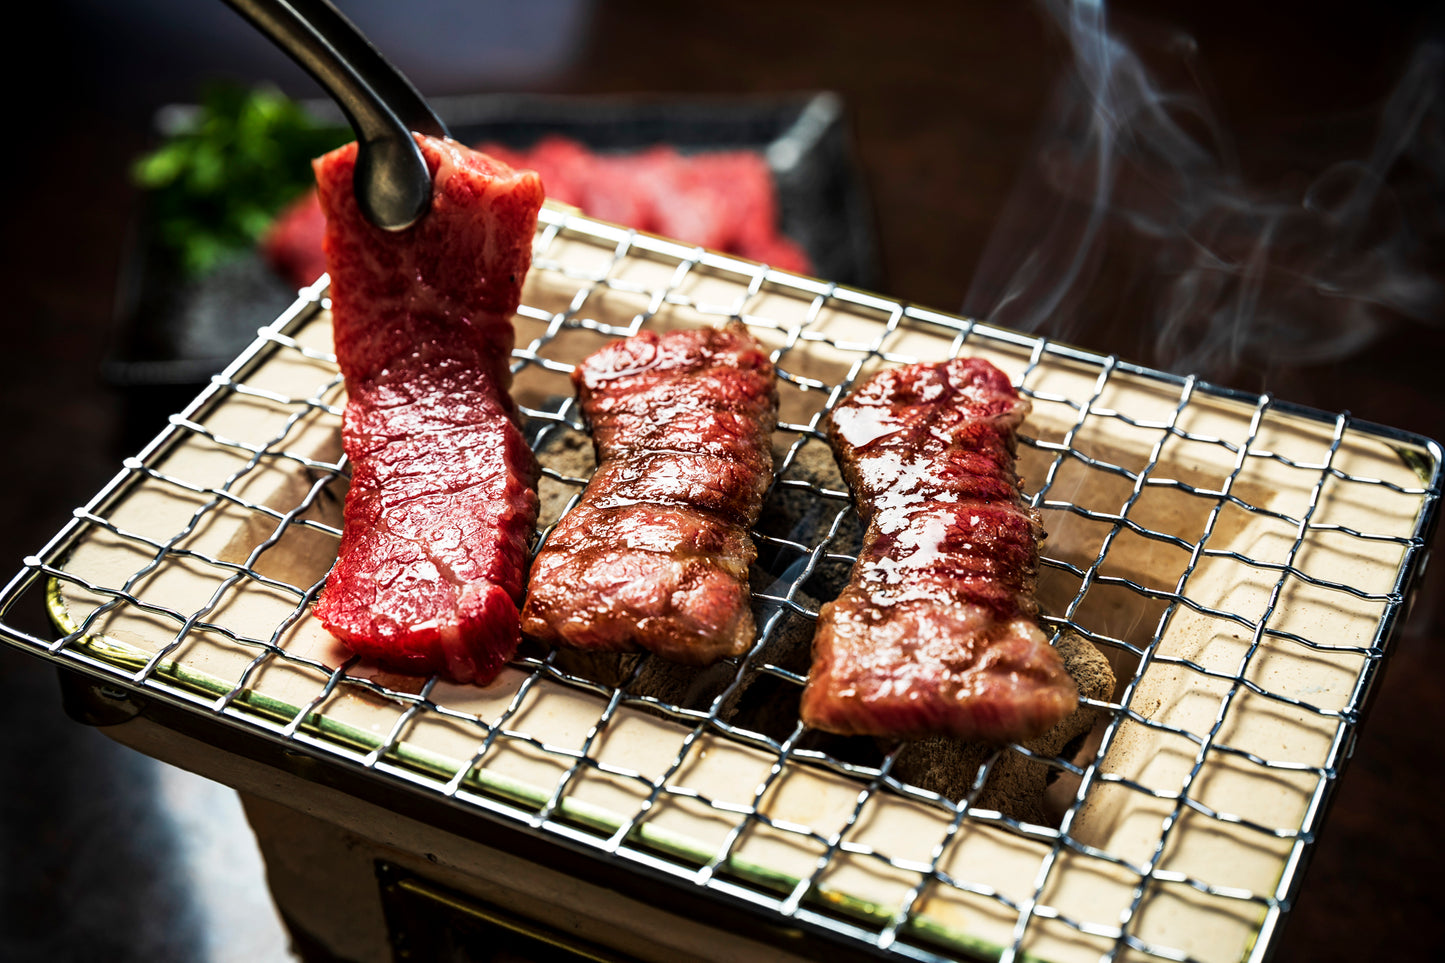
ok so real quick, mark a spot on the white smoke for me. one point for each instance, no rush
(1135, 203)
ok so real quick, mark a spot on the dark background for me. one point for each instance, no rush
(944, 98)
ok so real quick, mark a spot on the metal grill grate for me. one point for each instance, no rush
(1240, 565)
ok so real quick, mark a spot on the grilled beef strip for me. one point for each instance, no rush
(656, 554)
(935, 633)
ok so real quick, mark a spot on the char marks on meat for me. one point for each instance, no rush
(936, 632)
(443, 496)
(656, 553)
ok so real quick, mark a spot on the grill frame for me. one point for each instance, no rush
(551, 827)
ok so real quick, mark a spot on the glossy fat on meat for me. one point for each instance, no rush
(656, 554)
(443, 501)
(936, 631)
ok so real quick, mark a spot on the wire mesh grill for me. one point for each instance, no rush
(1238, 564)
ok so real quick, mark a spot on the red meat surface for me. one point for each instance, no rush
(656, 554)
(443, 497)
(936, 632)
(721, 200)
(293, 244)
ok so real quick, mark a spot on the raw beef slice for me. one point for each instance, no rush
(443, 488)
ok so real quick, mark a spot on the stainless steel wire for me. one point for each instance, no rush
(796, 563)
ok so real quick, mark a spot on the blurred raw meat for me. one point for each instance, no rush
(721, 200)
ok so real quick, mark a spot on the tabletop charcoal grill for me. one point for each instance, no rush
(1228, 569)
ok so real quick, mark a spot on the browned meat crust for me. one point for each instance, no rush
(935, 633)
(656, 554)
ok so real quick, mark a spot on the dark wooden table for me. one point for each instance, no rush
(945, 99)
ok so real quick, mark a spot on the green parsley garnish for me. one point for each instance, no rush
(217, 184)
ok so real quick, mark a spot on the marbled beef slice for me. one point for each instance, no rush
(936, 631)
(656, 554)
(443, 497)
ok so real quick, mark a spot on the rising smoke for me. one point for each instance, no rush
(1135, 202)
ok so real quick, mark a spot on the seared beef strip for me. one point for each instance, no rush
(656, 554)
(936, 631)
(443, 496)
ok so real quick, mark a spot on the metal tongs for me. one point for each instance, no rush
(393, 186)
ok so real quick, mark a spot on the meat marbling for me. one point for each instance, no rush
(936, 632)
(443, 499)
(656, 554)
